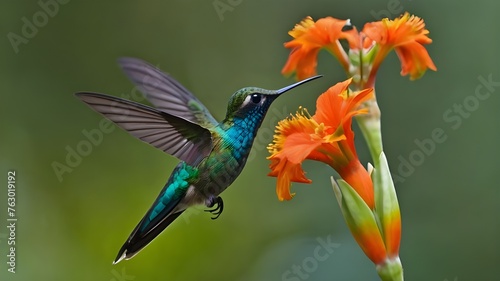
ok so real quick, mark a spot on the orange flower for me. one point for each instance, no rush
(406, 35)
(327, 137)
(367, 49)
(309, 38)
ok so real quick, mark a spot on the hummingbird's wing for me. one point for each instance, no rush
(165, 93)
(176, 136)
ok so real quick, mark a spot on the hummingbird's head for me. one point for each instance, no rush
(254, 102)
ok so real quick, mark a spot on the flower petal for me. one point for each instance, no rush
(414, 60)
(337, 106)
(286, 172)
(293, 143)
(309, 38)
(325, 137)
(329, 103)
(301, 61)
(407, 34)
(299, 123)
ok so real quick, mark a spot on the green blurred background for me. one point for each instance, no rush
(72, 229)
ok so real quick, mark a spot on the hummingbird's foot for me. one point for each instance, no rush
(219, 206)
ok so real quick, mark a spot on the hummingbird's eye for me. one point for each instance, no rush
(256, 98)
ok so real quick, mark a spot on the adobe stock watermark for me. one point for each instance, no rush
(76, 153)
(305, 269)
(223, 6)
(2, 237)
(454, 116)
(31, 25)
(394, 8)
(121, 276)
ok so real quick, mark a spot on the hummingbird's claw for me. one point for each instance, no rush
(219, 206)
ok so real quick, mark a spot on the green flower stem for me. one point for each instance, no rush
(392, 270)
(371, 130)
(386, 202)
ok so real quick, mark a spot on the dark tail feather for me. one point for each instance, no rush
(138, 240)
(160, 215)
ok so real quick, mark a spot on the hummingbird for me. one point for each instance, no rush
(212, 153)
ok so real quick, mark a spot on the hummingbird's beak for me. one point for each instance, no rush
(284, 89)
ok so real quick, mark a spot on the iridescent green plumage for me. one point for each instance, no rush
(212, 153)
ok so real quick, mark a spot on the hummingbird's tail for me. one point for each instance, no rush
(167, 207)
(138, 239)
